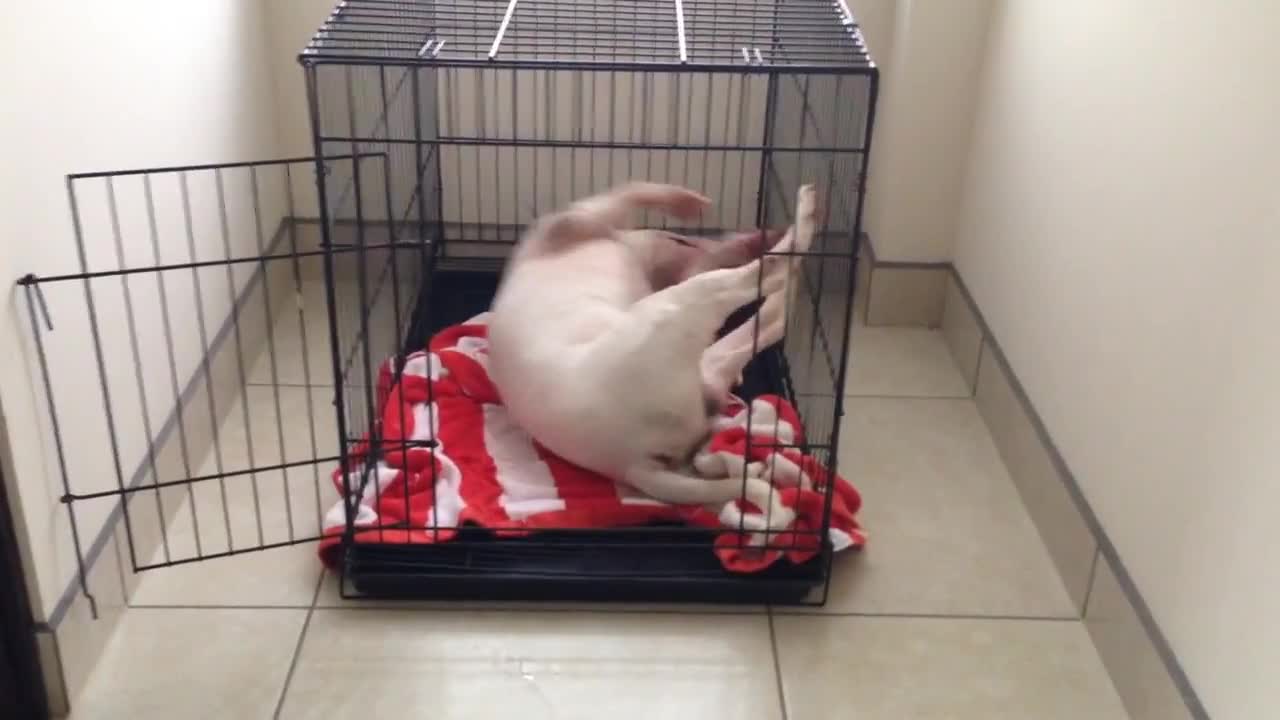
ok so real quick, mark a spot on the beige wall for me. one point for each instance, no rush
(929, 52)
(289, 26)
(101, 86)
(1120, 229)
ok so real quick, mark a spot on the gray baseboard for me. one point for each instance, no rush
(901, 293)
(1146, 673)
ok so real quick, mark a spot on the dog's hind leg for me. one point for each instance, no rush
(657, 481)
(615, 206)
(685, 316)
(723, 362)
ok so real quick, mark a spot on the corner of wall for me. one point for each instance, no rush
(1146, 673)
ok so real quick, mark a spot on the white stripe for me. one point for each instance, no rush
(449, 503)
(528, 486)
(840, 539)
(366, 513)
(419, 364)
(426, 422)
(475, 348)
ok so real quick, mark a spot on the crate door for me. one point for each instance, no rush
(183, 345)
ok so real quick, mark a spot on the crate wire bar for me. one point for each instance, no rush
(809, 35)
(493, 113)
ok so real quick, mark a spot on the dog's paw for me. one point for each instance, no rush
(806, 217)
(806, 203)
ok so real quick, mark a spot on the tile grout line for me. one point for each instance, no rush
(884, 396)
(375, 605)
(928, 616)
(777, 664)
(161, 606)
(367, 605)
(297, 649)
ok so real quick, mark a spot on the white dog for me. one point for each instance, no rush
(602, 340)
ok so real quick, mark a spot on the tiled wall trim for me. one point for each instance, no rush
(901, 293)
(1141, 663)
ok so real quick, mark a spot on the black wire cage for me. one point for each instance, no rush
(441, 129)
(492, 113)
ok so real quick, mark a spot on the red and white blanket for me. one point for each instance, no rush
(488, 472)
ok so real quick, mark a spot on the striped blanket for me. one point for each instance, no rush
(451, 456)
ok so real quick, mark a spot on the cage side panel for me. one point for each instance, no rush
(522, 143)
(506, 145)
(383, 214)
(158, 363)
(510, 144)
(514, 144)
(825, 116)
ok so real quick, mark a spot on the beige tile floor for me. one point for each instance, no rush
(953, 612)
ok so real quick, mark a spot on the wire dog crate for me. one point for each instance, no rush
(441, 129)
(493, 113)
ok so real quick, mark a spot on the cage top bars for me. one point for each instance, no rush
(742, 35)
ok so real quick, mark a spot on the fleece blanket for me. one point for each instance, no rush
(451, 456)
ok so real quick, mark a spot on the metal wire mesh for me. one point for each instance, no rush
(521, 107)
(818, 35)
(198, 429)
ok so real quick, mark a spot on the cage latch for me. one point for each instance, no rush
(431, 47)
(31, 281)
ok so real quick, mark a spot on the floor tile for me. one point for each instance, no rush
(251, 510)
(250, 506)
(182, 663)
(533, 666)
(900, 361)
(271, 425)
(84, 633)
(248, 511)
(947, 531)
(941, 669)
(906, 295)
(306, 314)
(281, 577)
